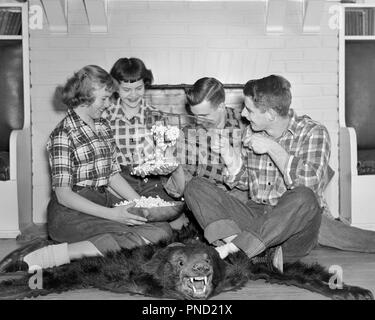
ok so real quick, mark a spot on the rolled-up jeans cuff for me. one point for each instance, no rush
(221, 229)
(249, 244)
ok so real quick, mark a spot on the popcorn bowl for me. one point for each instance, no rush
(159, 214)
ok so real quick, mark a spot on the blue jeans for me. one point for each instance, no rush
(334, 233)
(293, 223)
(68, 225)
(337, 234)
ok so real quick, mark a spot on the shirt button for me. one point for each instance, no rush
(270, 164)
(269, 183)
(264, 201)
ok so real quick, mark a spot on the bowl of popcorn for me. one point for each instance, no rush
(155, 209)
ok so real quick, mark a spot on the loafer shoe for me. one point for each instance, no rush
(14, 262)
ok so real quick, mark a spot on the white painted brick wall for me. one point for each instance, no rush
(181, 42)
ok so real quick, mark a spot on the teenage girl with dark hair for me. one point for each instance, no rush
(127, 118)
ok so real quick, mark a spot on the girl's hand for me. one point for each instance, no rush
(161, 170)
(121, 214)
(164, 169)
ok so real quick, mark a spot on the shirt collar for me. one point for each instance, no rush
(74, 119)
(77, 122)
(293, 123)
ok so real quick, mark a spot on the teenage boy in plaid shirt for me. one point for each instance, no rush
(283, 166)
(205, 101)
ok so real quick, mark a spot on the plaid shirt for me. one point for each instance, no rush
(79, 156)
(308, 145)
(195, 154)
(132, 137)
(198, 158)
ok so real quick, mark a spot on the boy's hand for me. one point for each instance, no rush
(258, 143)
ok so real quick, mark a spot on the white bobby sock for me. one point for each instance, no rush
(48, 257)
(226, 249)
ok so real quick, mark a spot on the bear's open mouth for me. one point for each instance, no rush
(198, 286)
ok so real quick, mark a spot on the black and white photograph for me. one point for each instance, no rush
(207, 151)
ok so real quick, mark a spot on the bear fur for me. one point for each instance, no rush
(170, 269)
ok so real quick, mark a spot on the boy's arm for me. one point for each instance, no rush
(309, 165)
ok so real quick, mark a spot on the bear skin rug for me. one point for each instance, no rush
(184, 267)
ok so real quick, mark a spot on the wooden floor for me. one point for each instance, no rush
(358, 269)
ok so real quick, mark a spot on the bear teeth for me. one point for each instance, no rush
(192, 279)
(201, 289)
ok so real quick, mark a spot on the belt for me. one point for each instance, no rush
(100, 189)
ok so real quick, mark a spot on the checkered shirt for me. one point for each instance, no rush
(196, 152)
(132, 137)
(79, 156)
(308, 145)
